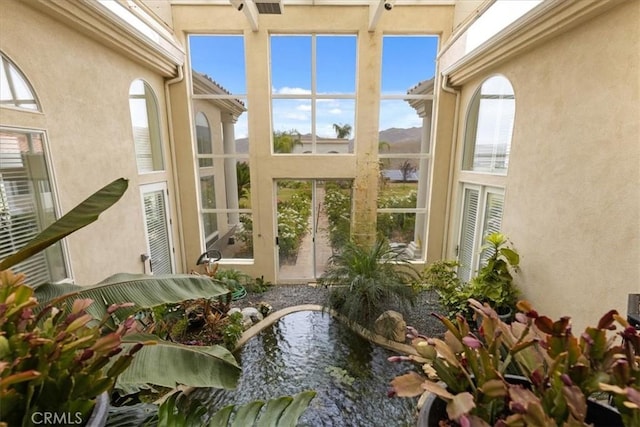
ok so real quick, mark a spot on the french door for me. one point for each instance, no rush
(155, 201)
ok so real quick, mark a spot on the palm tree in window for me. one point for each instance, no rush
(342, 131)
(285, 141)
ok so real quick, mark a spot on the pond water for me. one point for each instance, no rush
(310, 350)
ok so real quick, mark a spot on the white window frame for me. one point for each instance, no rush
(479, 230)
(154, 125)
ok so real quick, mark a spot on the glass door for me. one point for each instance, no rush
(313, 218)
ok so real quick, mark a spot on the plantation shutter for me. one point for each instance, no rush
(467, 233)
(492, 220)
(26, 205)
(155, 212)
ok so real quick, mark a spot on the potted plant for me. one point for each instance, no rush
(492, 284)
(561, 372)
(365, 280)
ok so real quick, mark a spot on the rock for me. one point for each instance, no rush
(252, 313)
(233, 311)
(391, 325)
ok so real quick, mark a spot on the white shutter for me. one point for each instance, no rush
(466, 243)
(157, 227)
(26, 204)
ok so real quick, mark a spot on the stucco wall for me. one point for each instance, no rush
(84, 88)
(572, 204)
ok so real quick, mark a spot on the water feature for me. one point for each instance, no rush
(310, 350)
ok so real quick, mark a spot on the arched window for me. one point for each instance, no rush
(203, 138)
(27, 198)
(15, 90)
(490, 127)
(204, 141)
(145, 121)
(487, 144)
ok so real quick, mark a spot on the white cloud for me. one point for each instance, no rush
(291, 91)
(335, 111)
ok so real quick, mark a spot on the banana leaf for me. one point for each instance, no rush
(143, 291)
(279, 412)
(82, 215)
(168, 364)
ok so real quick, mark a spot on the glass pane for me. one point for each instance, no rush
(336, 207)
(14, 87)
(243, 183)
(398, 183)
(407, 61)
(400, 123)
(336, 64)
(27, 205)
(294, 210)
(334, 125)
(399, 229)
(207, 192)
(291, 64)
(203, 139)
(145, 122)
(291, 122)
(489, 127)
(492, 221)
(219, 58)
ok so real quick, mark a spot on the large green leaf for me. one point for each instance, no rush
(142, 290)
(82, 215)
(168, 364)
(279, 412)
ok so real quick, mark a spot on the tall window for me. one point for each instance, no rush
(145, 122)
(27, 199)
(487, 142)
(222, 143)
(27, 204)
(313, 80)
(404, 147)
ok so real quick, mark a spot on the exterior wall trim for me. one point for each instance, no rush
(548, 20)
(99, 23)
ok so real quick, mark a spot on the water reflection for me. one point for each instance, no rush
(311, 351)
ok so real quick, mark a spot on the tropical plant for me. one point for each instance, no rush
(561, 371)
(54, 361)
(178, 410)
(342, 131)
(493, 283)
(163, 363)
(286, 141)
(243, 177)
(442, 277)
(365, 280)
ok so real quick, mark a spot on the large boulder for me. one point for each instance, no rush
(251, 315)
(391, 325)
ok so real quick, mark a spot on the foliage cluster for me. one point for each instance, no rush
(366, 280)
(337, 205)
(293, 222)
(397, 226)
(493, 283)
(54, 359)
(562, 370)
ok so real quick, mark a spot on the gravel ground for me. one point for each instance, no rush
(282, 296)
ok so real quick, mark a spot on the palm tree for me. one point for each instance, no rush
(407, 168)
(342, 131)
(285, 141)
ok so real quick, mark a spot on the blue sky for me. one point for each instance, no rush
(406, 61)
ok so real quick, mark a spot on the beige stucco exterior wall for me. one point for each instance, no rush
(265, 167)
(83, 88)
(572, 203)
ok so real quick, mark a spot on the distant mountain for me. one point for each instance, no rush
(400, 140)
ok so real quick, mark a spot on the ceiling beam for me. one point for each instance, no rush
(376, 9)
(248, 7)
